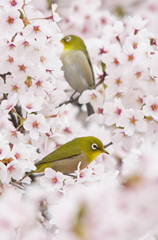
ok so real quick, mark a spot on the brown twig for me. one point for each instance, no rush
(102, 78)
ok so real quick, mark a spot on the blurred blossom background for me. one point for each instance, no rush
(115, 197)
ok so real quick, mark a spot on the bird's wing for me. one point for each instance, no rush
(64, 152)
(87, 55)
(85, 66)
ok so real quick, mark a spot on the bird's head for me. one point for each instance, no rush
(73, 42)
(93, 147)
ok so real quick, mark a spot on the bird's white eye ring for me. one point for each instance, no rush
(94, 146)
(68, 38)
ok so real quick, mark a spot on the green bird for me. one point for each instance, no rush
(66, 159)
(77, 67)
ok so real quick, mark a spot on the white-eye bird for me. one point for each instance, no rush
(66, 159)
(77, 67)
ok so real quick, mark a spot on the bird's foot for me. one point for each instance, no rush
(17, 184)
(71, 100)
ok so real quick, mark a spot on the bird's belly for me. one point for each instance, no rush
(77, 71)
(67, 166)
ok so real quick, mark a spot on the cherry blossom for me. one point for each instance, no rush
(15, 170)
(4, 148)
(3, 173)
(9, 104)
(36, 124)
(30, 103)
(52, 178)
(93, 96)
(10, 22)
(115, 196)
(113, 112)
(133, 121)
(151, 107)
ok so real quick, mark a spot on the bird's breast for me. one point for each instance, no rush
(77, 70)
(69, 165)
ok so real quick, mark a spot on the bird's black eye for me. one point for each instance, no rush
(68, 38)
(94, 146)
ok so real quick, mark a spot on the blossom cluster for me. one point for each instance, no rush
(115, 197)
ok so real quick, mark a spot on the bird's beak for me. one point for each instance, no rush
(104, 151)
(105, 146)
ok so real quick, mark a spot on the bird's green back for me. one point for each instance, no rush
(68, 150)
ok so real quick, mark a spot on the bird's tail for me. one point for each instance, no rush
(90, 109)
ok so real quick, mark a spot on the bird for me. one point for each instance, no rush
(77, 66)
(78, 152)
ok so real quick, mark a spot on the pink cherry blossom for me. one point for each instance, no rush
(93, 96)
(30, 103)
(3, 173)
(52, 179)
(115, 196)
(4, 148)
(8, 104)
(36, 124)
(151, 107)
(113, 112)
(10, 22)
(15, 170)
(133, 121)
